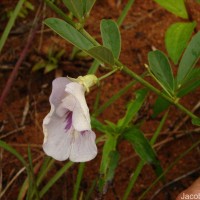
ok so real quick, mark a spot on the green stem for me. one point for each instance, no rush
(158, 92)
(78, 180)
(108, 74)
(124, 12)
(59, 12)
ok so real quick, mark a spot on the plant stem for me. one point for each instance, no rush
(124, 12)
(108, 74)
(158, 92)
(59, 12)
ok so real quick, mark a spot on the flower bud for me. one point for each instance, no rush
(87, 81)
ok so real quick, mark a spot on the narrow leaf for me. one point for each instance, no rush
(176, 7)
(109, 146)
(69, 33)
(114, 160)
(114, 98)
(10, 149)
(88, 4)
(141, 145)
(196, 121)
(161, 69)
(189, 59)
(102, 54)
(111, 36)
(177, 37)
(98, 125)
(133, 107)
(159, 106)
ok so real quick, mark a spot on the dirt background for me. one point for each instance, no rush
(27, 101)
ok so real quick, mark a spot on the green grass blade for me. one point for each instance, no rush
(78, 181)
(125, 12)
(14, 152)
(10, 23)
(89, 193)
(32, 190)
(132, 109)
(114, 98)
(47, 164)
(55, 178)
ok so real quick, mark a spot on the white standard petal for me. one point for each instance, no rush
(58, 90)
(83, 147)
(58, 137)
(81, 116)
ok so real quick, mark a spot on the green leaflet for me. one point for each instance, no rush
(111, 36)
(161, 69)
(189, 59)
(102, 54)
(69, 33)
(76, 7)
(88, 4)
(177, 37)
(176, 7)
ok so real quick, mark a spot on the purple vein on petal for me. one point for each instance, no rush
(68, 120)
(84, 132)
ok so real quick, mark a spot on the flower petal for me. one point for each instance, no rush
(83, 147)
(81, 116)
(58, 90)
(58, 139)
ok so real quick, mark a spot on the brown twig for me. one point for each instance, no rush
(174, 181)
(14, 73)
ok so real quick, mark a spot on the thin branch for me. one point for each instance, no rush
(22, 56)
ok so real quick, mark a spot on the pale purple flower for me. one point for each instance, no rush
(66, 127)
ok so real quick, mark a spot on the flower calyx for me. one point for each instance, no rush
(87, 81)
